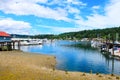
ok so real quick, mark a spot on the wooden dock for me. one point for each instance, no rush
(9, 45)
(109, 49)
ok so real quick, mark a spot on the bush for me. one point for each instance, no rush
(4, 48)
(66, 72)
(117, 77)
(83, 74)
(97, 73)
(112, 75)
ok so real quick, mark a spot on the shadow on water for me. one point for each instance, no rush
(81, 45)
(112, 62)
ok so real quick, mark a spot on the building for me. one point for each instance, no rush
(5, 41)
(4, 37)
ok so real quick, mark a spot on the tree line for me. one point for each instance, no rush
(101, 33)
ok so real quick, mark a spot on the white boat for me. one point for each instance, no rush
(116, 51)
(24, 43)
(95, 44)
(31, 42)
(34, 42)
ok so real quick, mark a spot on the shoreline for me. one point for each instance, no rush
(18, 65)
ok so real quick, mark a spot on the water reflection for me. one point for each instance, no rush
(76, 58)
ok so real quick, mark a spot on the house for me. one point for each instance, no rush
(4, 37)
(5, 41)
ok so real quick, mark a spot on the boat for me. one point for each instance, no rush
(116, 51)
(31, 42)
(95, 44)
(24, 43)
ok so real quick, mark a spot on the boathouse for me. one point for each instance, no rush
(5, 41)
(4, 37)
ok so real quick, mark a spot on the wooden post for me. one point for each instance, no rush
(9, 46)
(108, 47)
(18, 45)
(2, 45)
(113, 44)
(105, 43)
(13, 45)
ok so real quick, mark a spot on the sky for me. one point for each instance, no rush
(57, 16)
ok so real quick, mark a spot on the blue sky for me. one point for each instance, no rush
(57, 16)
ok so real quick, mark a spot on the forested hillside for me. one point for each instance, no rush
(103, 33)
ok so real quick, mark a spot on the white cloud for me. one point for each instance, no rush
(76, 2)
(30, 7)
(77, 17)
(38, 1)
(67, 2)
(29, 1)
(113, 12)
(110, 18)
(57, 30)
(96, 7)
(15, 27)
(73, 10)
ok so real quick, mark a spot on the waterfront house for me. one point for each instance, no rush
(5, 41)
(4, 37)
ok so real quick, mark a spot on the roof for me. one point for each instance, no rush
(4, 34)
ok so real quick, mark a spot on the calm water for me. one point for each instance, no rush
(76, 59)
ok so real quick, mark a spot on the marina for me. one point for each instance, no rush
(83, 58)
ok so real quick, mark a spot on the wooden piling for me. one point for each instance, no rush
(113, 45)
(18, 45)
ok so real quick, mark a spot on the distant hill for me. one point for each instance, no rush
(42, 36)
(103, 33)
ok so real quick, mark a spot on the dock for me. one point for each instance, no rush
(9, 45)
(108, 48)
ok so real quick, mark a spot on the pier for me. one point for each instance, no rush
(8, 46)
(107, 47)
